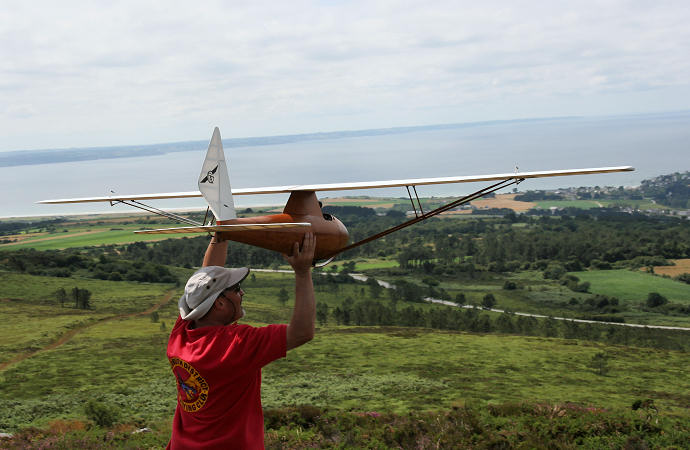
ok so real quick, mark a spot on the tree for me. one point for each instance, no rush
(600, 363)
(509, 285)
(374, 288)
(61, 296)
(154, 317)
(655, 299)
(489, 301)
(81, 298)
(283, 296)
(460, 299)
(322, 313)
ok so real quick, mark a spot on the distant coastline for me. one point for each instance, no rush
(62, 155)
(50, 156)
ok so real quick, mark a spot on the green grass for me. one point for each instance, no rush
(113, 297)
(582, 204)
(637, 204)
(122, 363)
(33, 318)
(95, 235)
(634, 286)
(347, 368)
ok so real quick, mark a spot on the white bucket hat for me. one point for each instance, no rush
(204, 287)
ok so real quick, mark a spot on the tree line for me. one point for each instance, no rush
(375, 313)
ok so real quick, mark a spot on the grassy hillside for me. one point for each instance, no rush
(347, 368)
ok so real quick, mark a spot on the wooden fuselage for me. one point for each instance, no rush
(302, 206)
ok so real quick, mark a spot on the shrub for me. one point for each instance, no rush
(655, 299)
(554, 271)
(489, 301)
(100, 413)
(683, 277)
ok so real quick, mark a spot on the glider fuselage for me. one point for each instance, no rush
(302, 206)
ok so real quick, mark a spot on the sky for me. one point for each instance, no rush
(88, 73)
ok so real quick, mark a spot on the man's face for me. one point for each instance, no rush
(234, 311)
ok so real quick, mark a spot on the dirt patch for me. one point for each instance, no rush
(455, 213)
(681, 266)
(503, 201)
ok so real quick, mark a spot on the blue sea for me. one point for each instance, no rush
(654, 144)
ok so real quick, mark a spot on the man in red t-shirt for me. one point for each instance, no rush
(217, 362)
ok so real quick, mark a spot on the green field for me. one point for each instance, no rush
(88, 235)
(635, 204)
(582, 204)
(634, 286)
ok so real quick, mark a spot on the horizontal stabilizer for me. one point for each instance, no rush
(226, 228)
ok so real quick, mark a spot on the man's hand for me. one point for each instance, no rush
(302, 258)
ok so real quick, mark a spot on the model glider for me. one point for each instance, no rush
(303, 210)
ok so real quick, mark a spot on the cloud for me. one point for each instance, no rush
(274, 67)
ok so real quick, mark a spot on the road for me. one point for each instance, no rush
(385, 284)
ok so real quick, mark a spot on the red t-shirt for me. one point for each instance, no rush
(218, 373)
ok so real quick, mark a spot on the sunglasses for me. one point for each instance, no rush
(236, 289)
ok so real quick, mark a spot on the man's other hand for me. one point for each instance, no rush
(302, 258)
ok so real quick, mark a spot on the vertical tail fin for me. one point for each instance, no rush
(214, 181)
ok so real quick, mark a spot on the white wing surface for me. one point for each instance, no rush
(355, 185)
(225, 228)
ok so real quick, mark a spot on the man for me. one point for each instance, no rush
(217, 362)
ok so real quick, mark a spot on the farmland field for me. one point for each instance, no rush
(503, 201)
(582, 204)
(681, 266)
(634, 286)
(84, 236)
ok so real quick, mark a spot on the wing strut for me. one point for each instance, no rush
(461, 201)
(154, 210)
(414, 208)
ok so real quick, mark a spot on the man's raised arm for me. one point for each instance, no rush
(300, 330)
(217, 252)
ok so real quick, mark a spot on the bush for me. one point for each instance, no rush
(554, 271)
(655, 299)
(509, 285)
(100, 413)
(683, 277)
(600, 265)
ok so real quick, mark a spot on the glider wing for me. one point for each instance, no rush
(354, 185)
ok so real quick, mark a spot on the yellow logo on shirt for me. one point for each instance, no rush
(192, 389)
